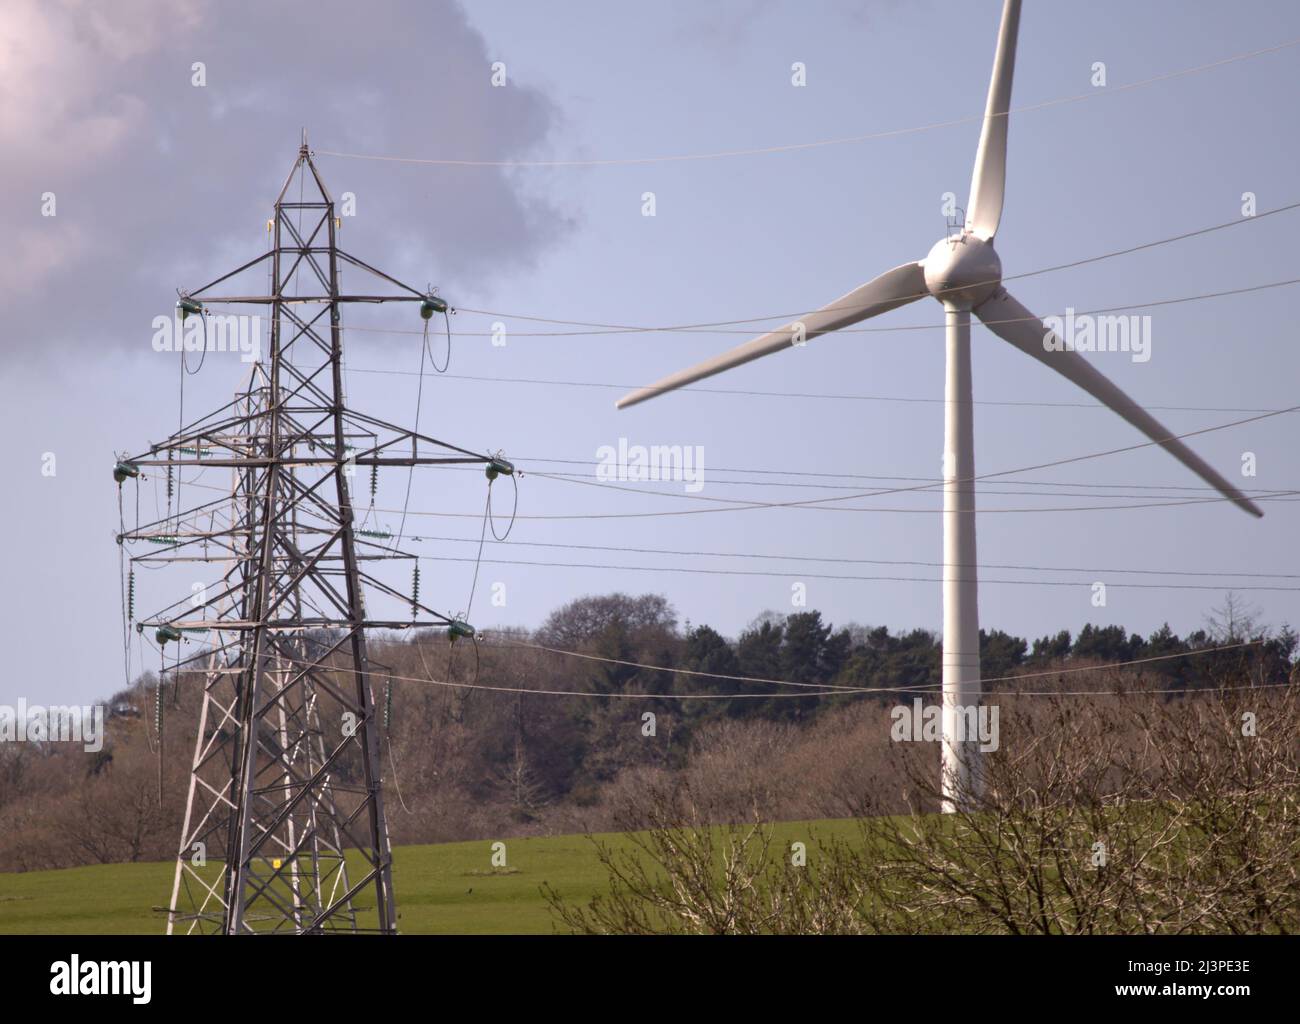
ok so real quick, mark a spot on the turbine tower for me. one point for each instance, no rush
(964, 273)
(284, 827)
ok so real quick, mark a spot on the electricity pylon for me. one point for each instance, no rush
(284, 824)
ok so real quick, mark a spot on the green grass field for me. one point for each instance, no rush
(443, 889)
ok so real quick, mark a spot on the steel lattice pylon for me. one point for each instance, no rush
(284, 825)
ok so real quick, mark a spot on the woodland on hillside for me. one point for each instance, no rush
(474, 749)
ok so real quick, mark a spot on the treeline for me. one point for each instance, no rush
(570, 749)
(549, 731)
(802, 648)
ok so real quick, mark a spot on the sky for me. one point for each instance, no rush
(164, 129)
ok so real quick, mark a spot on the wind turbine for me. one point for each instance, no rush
(965, 274)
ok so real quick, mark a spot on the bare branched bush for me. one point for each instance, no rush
(1144, 815)
(681, 874)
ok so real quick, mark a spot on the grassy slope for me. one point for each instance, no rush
(443, 889)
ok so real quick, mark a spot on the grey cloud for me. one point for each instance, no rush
(160, 184)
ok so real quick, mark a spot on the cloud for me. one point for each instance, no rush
(161, 184)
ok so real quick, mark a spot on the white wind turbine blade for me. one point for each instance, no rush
(890, 290)
(1012, 322)
(988, 183)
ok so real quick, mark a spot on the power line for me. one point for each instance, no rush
(705, 328)
(710, 326)
(892, 689)
(1266, 495)
(813, 505)
(849, 578)
(1036, 487)
(820, 503)
(935, 480)
(819, 396)
(1224, 575)
(1128, 250)
(922, 479)
(749, 555)
(824, 690)
(816, 692)
(817, 144)
(1262, 495)
(1228, 581)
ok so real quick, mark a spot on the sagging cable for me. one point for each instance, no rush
(431, 304)
(496, 467)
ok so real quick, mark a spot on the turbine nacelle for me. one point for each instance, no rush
(963, 270)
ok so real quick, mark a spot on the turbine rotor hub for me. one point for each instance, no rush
(964, 270)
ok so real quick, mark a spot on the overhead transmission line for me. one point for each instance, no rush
(701, 326)
(821, 143)
(825, 690)
(707, 326)
(880, 476)
(1230, 580)
(817, 506)
(837, 577)
(714, 481)
(922, 479)
(1026, 469)
(144, 533)
(1263, 495)
(837, 559)
(508, 642)
(722, 328)
(821, 503)
(817, 395)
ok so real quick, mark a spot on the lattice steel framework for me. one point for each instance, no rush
(284, 825)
